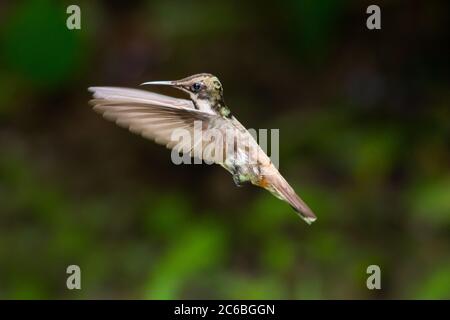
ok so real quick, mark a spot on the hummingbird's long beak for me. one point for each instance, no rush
(175, 84)
(160, 83)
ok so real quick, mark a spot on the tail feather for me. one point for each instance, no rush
(281, 189)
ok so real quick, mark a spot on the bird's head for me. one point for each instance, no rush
(202, 88)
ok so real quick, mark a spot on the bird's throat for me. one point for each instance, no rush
(213, 105)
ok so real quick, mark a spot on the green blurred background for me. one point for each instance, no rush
(364, 123)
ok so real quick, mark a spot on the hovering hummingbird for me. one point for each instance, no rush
(156, 117)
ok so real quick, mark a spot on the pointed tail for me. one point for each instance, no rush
(282, 190)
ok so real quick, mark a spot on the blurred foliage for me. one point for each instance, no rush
(36, 45)
(364, 139)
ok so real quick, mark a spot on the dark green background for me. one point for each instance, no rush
(364, 123)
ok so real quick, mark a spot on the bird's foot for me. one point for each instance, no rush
(237, 180)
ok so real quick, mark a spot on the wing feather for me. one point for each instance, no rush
(152, 115)
(136, 95)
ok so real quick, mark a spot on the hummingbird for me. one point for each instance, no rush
(156, 117)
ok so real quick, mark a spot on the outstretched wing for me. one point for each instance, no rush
(142, 96)
(154, 116)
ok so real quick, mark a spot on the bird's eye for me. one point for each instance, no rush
(196, 86)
